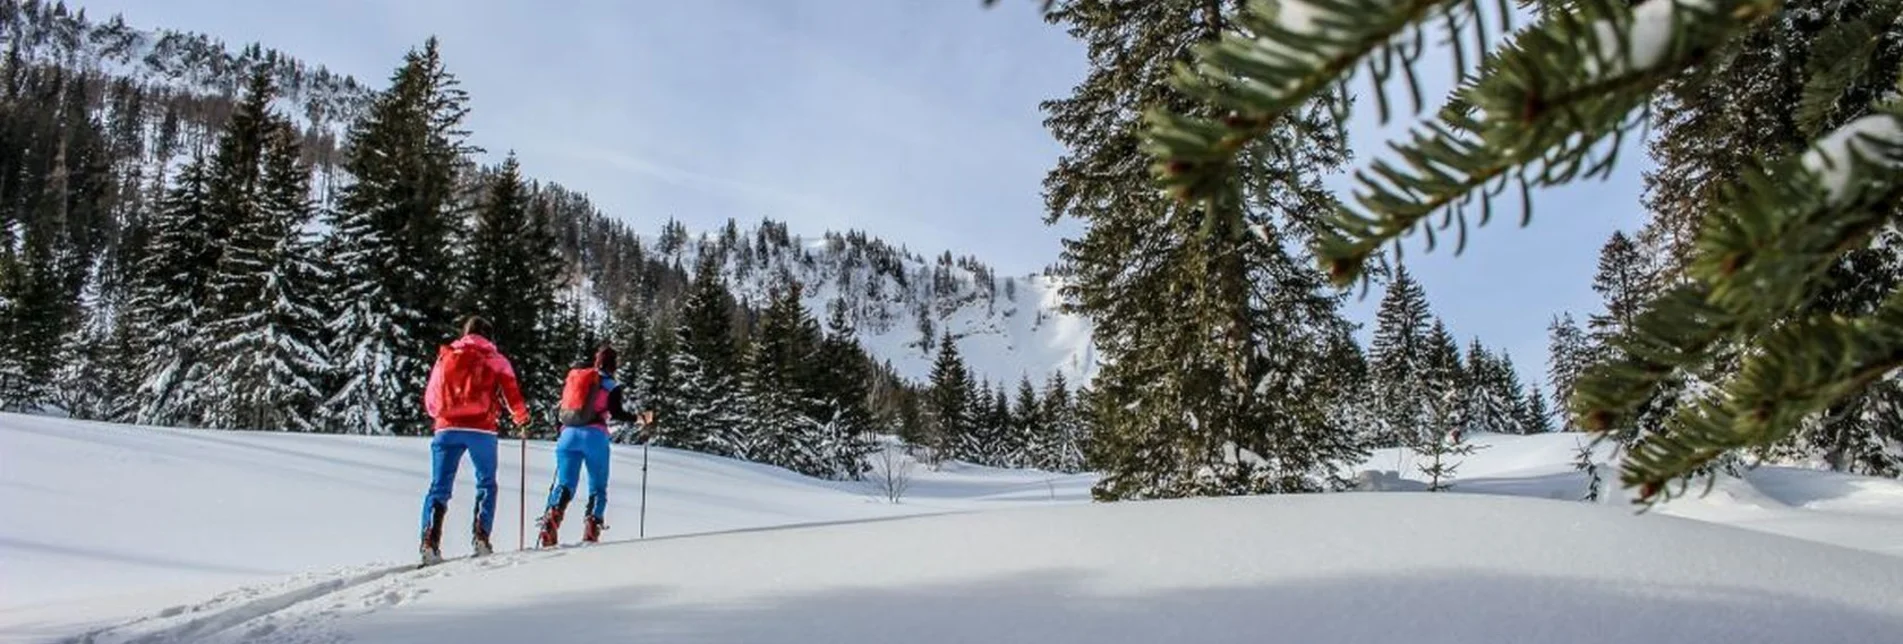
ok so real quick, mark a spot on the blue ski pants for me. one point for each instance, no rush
(578, 447)
(446, 454)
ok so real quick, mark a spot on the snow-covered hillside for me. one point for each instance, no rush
(131, 534)
(1851, 511)
(1006, 327)
(104, 522)
(183, 61)
(167, 84)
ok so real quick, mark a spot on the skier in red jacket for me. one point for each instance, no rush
(467, 390)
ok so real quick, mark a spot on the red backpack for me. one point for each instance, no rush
(468, 387)
(578, 407)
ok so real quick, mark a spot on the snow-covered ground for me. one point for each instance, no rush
(131, 534)
(106, 522)
(1851, 511)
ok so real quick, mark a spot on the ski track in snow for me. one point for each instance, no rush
(700, 502)
(301, 610)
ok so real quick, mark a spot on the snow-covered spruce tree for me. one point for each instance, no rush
(1567, 356)
(1070, 440)
(1397, 357)
(658, 388)
(92, 382)
(234, 180)
(839, 385)
(948, 404)
(776, 426)
(1442, 449)
(974, 444)
(1001, 444)
(56, 207)
(390, 232)
(1536, 417)
(1623, 281)
(1545, 108)
(704, 375)
(169, 303)
(1037, 442)
(33, 319)
(1488, 408)
(1496, 400)
(628, 331)
(1507, 380)
(510, 270)
(1445, 380)
(1205, 323)
(1810, 69)
(268, 357)
(1349, 381)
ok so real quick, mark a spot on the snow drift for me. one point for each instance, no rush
(130, 534)
(1347, 568)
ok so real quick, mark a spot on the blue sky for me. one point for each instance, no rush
(914, 120)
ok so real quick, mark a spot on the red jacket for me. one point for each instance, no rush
(497, 370)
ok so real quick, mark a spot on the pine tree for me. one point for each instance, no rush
(54, 221)
(1545, 108)
(948, 403)
(512, 267)
(1537, 419)
(628, 332)
(1567, 356)
(840, 387)
(705, 370)
(1487, 410)
(390, 238)
(34, 319)
(1815, 67)
(1506, 382)
(268, 355)
(778, 427)
(980, 436)
(1447, 382)
(1622, 281)
(1205, 323)
(1442, 447)
(169, 304)
(1397, 360)
(659, 388)
(1037, 442)
(93, 381)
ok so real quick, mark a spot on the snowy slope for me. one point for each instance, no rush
(1852, 511)
(1349, 568)
(108, 521)
(1006, 327)
(140, 534)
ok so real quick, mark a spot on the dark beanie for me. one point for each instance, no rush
(476, 325)
(605, 359)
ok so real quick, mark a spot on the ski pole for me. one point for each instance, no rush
(643, 526)
(522, 505)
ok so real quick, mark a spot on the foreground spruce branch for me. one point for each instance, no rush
(1550, 106)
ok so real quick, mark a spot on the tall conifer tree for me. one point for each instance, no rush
(1188, 308)
(391, 230)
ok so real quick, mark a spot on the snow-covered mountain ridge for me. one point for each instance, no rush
(901, 303)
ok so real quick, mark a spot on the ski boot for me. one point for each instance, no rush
(591, 529)
(431, 551)
(551, 528)
(481, 545)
